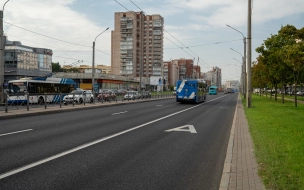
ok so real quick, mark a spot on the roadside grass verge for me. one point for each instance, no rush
(277, 131)
(280, 96)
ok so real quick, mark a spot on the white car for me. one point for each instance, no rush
(79, 96)
(131, 95)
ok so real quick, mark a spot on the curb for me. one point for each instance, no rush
(224, 185)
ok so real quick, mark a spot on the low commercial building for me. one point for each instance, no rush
(24, 61)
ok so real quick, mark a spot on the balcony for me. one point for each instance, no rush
(126, 31)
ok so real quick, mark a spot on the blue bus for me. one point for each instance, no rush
(213, 90)
(191, 90)
(36, 88)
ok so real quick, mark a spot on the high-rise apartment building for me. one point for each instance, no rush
(137, 44)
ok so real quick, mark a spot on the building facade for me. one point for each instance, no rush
(214, 77)
(137, 44)
(24, 61)
(173, 72)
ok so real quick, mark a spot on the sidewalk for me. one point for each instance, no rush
(240, 167)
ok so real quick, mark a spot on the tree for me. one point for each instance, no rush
(294, 57)
(56, 67)
(273, 53)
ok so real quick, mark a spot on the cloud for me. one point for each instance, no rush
(57, 20)
(217, 12)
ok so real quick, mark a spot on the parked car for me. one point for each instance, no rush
(145, 94)
(78, 96)
(122, 91)
(226, 92)
(300, 93)
(131, 95)
(106, 96)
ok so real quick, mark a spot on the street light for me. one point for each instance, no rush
(243, 73)
(248, 102)
(93, 62)
(243, 58)
(2, 50)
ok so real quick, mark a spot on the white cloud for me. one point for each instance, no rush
(57, 20)
(235, 12)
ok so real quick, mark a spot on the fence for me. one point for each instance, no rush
(27, 101)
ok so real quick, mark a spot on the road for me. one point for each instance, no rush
(152, 145)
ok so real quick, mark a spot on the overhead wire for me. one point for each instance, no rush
(47, 36)
(177, 40)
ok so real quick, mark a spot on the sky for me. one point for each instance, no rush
(194, 29)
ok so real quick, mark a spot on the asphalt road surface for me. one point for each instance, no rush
(152, 145)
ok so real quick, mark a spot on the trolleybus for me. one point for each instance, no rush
(191, 90)
(36, 88)
(213, 90)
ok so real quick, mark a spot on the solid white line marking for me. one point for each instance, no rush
(12, 172)
(119, 113)
(160, 105)
(16, 132)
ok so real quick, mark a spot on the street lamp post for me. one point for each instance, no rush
(243, 59)
(93, 61)
(2, 50)
(248, 102)
(243, 74)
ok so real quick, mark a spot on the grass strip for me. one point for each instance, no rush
(277, 131)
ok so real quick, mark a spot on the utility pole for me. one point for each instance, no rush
(93, 62)
(244, 61)
(1, 53)
(142, 49)
(248, 100)
(244, 68)
(2, 47)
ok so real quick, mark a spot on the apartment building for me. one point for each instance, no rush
(214, 76)
(137, 44)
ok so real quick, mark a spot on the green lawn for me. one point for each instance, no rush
(286, 96)
(277, 131)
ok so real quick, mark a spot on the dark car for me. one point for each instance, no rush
(145, 94)
(122, 91)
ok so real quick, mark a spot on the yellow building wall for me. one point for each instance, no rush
(86, 86)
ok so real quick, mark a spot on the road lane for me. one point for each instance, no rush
(123, 147)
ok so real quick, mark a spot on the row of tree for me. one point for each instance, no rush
(280, 63)
(56, 67)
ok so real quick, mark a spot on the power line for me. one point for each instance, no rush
(122, 5)
(137, 7)
(61, 48)
(208, 44)
(176, 40)
(46, 35)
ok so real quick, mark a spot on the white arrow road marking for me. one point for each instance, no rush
(119, 113)
(16, 132)
(190, 129)
(160, 105)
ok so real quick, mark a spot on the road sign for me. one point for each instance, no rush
(95, 87)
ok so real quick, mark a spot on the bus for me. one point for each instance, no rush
(213, 90)
(36, 88)
(191, 90)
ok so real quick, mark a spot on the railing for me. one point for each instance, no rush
(27, 101)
